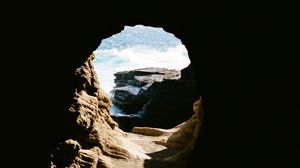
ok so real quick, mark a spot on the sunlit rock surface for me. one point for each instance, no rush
(98, 135)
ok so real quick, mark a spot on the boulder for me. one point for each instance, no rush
(156, 94)
(130, 93)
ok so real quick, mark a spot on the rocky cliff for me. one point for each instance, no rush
(155, 94)
(132, 90)
(98, 136)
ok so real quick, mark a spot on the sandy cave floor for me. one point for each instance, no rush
(155, 151)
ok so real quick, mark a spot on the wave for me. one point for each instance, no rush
(110, 61)
(140, 35)
(115, 111)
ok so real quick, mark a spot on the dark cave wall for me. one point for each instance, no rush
(235, 51)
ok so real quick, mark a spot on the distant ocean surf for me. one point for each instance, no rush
(138, 47)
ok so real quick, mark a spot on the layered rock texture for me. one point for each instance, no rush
(98, 135)
(99, 143)
(132, 90)
(155, 94)
(182, 137)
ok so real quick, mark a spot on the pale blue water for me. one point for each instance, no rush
(140, 35)
(138, 47)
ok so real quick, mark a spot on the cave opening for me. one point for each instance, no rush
(147, 73)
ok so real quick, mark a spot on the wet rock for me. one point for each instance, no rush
(156, 94)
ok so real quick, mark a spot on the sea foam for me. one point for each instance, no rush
(138, 47)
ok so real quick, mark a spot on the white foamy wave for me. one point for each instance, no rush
(110, 61)
(115, 111)
(140, 35)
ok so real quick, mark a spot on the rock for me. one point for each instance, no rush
(179, 159)
(149, 131)
(188, 132)
(167, 102)
(130, 92)
(98, 135)
(143, 77)
(71, 155)
(65, 153)
(129, 98)
(188, 73)
(156, 93)
(181, 137)
(127, 122)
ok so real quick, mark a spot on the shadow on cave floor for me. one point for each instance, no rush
(157, 159)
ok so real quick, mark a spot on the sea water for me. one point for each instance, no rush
(137, 47)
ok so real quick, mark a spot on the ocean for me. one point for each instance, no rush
(138, 47)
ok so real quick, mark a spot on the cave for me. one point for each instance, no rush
(239, 52)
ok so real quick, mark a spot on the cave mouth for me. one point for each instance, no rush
(138, 59)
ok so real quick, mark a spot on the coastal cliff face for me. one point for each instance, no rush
(98, 136)
(154, 97)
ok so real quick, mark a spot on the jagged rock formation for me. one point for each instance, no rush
(156, 93)
(71, 154)
(98, 134)
(188, 132)
(182, 137)
(99, 140)
(186, 136)
(131, 90)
